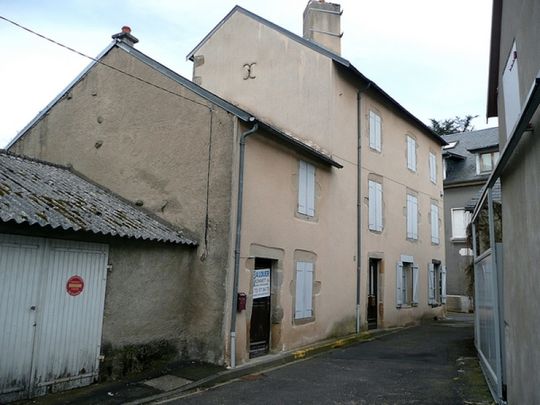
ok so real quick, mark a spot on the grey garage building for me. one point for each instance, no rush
(90, 284)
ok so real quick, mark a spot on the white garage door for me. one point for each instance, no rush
(52, 294)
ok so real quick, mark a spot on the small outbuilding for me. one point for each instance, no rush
(90, 284)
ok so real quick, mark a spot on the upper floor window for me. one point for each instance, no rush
(374, 131)
(510, 87)
(435, 223)
(460, 221)
(432, 167)
(411, 153)
(412, 217)
(306, 189)
(375, 206)
(444, 169)
(485, 162)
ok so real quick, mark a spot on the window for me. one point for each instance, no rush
(306, 189)
(451, 145)
(411, 153)
(460, 220)
(435, 224)
(406, 284)
(374, 131)
(304, 290)
(375, 206)
(510, 85)
(432, 167)
(444, 169)
(485, 162)
(412, 217)
(436, 284)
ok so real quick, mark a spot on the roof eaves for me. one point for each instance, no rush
(200, 91)
(43, 112)
(301, 146)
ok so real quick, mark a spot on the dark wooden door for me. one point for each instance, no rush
(373, 298)
(259, 332)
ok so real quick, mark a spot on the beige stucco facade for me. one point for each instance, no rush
(305, 93)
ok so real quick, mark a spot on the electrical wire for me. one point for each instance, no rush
(101, 62)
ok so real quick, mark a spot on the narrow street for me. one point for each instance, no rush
(433, 363)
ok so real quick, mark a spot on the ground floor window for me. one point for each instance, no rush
(436, 284)
(303, 308)
(406, 283)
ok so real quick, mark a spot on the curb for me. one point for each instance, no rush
(279, 360)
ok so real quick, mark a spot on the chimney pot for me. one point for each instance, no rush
(125, 36)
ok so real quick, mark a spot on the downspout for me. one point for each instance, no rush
(359, 205)
(237, 241)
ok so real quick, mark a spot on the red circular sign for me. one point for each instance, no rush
(75, 285)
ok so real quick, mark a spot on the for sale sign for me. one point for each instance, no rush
(261, 283)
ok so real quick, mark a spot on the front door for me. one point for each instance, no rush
(373, 298)
(259, 333)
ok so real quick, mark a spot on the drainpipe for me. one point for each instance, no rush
(237, 241)
(359, 204)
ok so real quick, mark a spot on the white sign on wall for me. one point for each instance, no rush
(261, 283)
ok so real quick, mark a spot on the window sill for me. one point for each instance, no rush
(303, 321)
(459, 240)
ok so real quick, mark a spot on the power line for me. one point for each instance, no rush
(100, 62)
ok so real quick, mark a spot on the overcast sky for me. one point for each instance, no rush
(430, 55)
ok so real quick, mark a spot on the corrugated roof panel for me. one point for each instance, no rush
(39, 193)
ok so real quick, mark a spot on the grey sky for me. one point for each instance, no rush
(430, 55)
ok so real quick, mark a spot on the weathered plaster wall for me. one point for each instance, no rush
(149, 145)
(521, 213)
(457, 282)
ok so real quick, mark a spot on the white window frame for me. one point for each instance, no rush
(375, 206)
(493, 157)
(510, 87)
(375, 131)
(435, 238)
(306, 189)
(459, 230)
(403, 278)
(411, 153)
(412, 217)
(433, 167)
(303, 308)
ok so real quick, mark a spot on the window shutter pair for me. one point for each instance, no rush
(412, 217)
(304, 290)
(443, 285)
(374, 131)
(435, 224)
(411, 153)
(306, 189)
(375, 206)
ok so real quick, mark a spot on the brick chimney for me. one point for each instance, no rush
(322, 24)
(125, 36)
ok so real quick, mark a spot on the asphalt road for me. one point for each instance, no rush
(430, 364)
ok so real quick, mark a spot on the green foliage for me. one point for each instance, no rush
(452, 125)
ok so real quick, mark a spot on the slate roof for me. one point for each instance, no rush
(339, 60)
(38, 193)
(460, 161)
(496, 193)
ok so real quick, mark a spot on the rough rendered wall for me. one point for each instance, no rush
(456, 280)
(144, 318)
(149, 145)
(521, 213)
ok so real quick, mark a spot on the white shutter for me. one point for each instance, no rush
(415, 291)
(431, 284)
(432, 167)
(399, 285)
(411, 153)
(412, 217)
(378, 127)
(443, 284)
(372, 210)
(308, 290)
(310, 198)
(378, 214)
(372, 131)
(300, 280)
(434, 223)
(302, 188)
